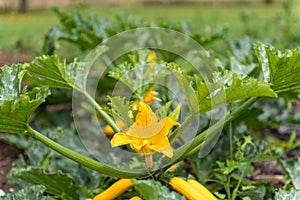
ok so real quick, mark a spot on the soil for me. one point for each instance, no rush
(8, 58)
(8, 155)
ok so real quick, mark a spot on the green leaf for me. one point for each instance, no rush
(290, 194)
(10, 82)
(292, 169)
(281, 68)
(211, 36)
(219, 195)
(254, 192)
(52, 72)
(209, 162)
(175, 113)
(33, 193)
(229, 87)
(154, 190)
(85, 32)
(263, 157)
(163, 111)
(18, 140)
(243, 181)
(241, 68)
(138, 71)
(120, 109)
(232, 165)
(39, 155)
(56, 183)
(53, 34)
(229, 167)
(242, 52)
(14, 114)
(185, 84)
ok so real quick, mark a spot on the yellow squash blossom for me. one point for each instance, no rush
(147, 134)
(151, 96)
(152, 62)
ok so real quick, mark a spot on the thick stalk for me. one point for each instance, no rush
(179, 130)
(85, 161)
(195, 145)
(106, 118)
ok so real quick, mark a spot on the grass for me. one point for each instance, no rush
(24, 29)
(28, 30)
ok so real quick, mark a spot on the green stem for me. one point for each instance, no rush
(45, 161)
(106, 118)
(195, 145)
(179, 130)
(227, 188)
(236, 189)
(238, 111)
(230, 141)
(85, 161)
(195, 168)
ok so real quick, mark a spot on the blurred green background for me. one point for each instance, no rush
(26, 31)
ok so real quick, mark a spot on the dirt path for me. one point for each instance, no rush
(8, 58)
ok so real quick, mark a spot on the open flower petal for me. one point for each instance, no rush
(145, 115)
(120, 139)
(168, 124)
(164, 147)
(151, 96)
(145, 132)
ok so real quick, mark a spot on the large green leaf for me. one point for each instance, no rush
(16, 107)
(227, 88)
(14, 114)
(52, 72)
(56, 183)
(292, 169)
(154, 190)
(33, 193)
(290, 194)
(281, 68)
(87, 31)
